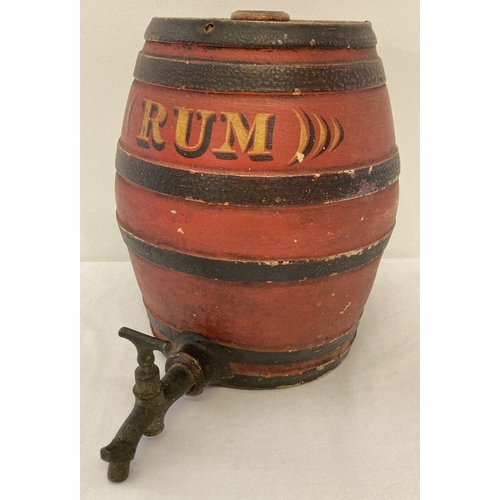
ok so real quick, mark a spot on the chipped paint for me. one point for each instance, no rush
(345, 308)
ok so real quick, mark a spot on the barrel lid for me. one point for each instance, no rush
(261, 29)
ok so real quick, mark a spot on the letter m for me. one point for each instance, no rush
(256, 141)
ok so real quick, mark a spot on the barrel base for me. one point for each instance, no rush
(244, 369)
(283, 382)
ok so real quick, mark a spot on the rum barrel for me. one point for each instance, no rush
(257, 187)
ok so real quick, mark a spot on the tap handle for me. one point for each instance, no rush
(145, 344)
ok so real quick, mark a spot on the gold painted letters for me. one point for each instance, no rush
(255, 140)
(183, 131)
(151, 125)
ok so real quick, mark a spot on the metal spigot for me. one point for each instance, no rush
(153, 397)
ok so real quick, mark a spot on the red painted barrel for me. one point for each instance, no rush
(257, 188)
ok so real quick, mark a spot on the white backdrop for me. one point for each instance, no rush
(112, 33)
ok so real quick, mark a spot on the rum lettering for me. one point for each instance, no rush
(155, 117)
(183, 131)
(256, 140)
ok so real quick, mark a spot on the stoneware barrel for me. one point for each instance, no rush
(257, 188)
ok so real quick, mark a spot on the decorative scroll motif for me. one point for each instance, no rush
(322, 138)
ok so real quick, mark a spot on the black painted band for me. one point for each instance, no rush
(244, 356)
(258, 190)
(196, 74)
(261, 34)
(254, 271)
(253, 382)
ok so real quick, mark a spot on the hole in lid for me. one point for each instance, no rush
(209, 27)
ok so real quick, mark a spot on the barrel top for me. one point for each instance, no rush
(247, 31)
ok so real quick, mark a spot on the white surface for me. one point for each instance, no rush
(352, 434)
(112, 33)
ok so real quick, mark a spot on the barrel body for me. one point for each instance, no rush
(257, 188)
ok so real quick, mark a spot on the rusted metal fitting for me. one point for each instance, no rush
(193, 367)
